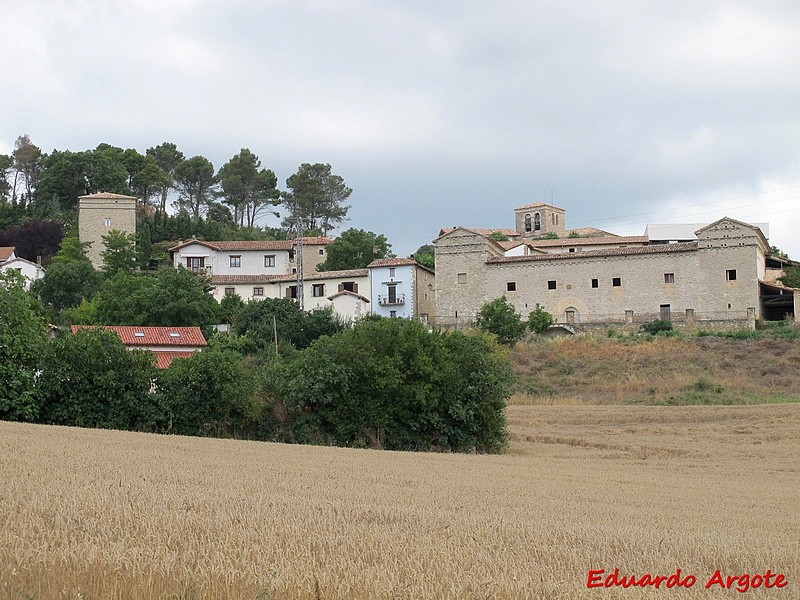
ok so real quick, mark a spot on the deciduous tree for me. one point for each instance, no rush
(501, 318)
(23, 338)
(354, 249)
(92, 380)
(120, 252)
(27, 165)
(67, 283)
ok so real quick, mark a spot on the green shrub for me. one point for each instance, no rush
(539, 320)
(656, 327)
(500, 318)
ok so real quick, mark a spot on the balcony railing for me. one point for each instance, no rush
(386, 300)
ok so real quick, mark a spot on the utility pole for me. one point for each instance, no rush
(300, 224)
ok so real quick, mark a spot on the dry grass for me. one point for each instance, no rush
(113, 515)
(664, 371)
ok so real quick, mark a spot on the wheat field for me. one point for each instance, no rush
(87, 514)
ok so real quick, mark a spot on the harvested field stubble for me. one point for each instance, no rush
(102, 514)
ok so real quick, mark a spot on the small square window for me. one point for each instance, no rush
(572, 249)
(174, 334)
(462, 278)
(551, 285)
(318, 290)
(230, 291)
(669, 277)
(236, 261)
(258, 291)
(393, 314)
(595, 283)
(392, 271)
(730, 274)
(322, 252)
(269, 260)
(511, 286)
(616, 281)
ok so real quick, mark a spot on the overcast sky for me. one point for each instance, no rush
(438, 113)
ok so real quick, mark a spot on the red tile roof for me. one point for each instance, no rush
(654, 249)
(391, 262)
(254, 244)
(313, 276)
(512, 233)
(6, 252)
(109, 195)
(538, 205)
(164, 359)
(589, 241)
(348, 293)
(153, 336)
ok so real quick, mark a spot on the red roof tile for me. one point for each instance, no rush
(153, 336)
(164, 359)
(6, 252)
(654, 249)
(313, 276)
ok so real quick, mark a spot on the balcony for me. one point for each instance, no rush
(391, 300)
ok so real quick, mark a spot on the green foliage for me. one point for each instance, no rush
(498, 236)
(354, 249)
(294, 327)
(167, 157)
(144, 245)
(317, 196)
(171, 297)
(91, 380)
(119, 255)
(391, 383)
(229, 308)
(573, 234)
(211, 393)
(425, 255)
(550, 235)
(791, 276)
(71, 249)
(775, 251)
(501, 318)
(539, 320)
(23, 338)
(195, 181)
(66, 284)
(656, 327)
(248, 188)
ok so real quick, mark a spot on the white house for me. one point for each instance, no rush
(30, 271)
(402, 288)
(317, 287)
(262, 257)
(350, 305)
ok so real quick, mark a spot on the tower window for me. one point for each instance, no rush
(616, 281)
(551, 285)
(537, 222)
(669, 277)
(730, 274)
(511, 286)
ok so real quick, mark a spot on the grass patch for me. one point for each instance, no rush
(730, 368)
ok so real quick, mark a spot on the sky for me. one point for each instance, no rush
(438, 113)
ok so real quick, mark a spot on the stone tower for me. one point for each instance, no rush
(538, 219)
(100, 213)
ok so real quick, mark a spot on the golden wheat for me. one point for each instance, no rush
(114, 515)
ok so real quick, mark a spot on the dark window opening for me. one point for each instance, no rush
(730, 274)
(616, 281)
(511, 286)
(595, 283)
(669, 277)
(551, 285)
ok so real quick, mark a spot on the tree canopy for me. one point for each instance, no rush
(390, 383)
(501, 318)
(23, 338)
(354, 249)
(248, 188)
(317, 196)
